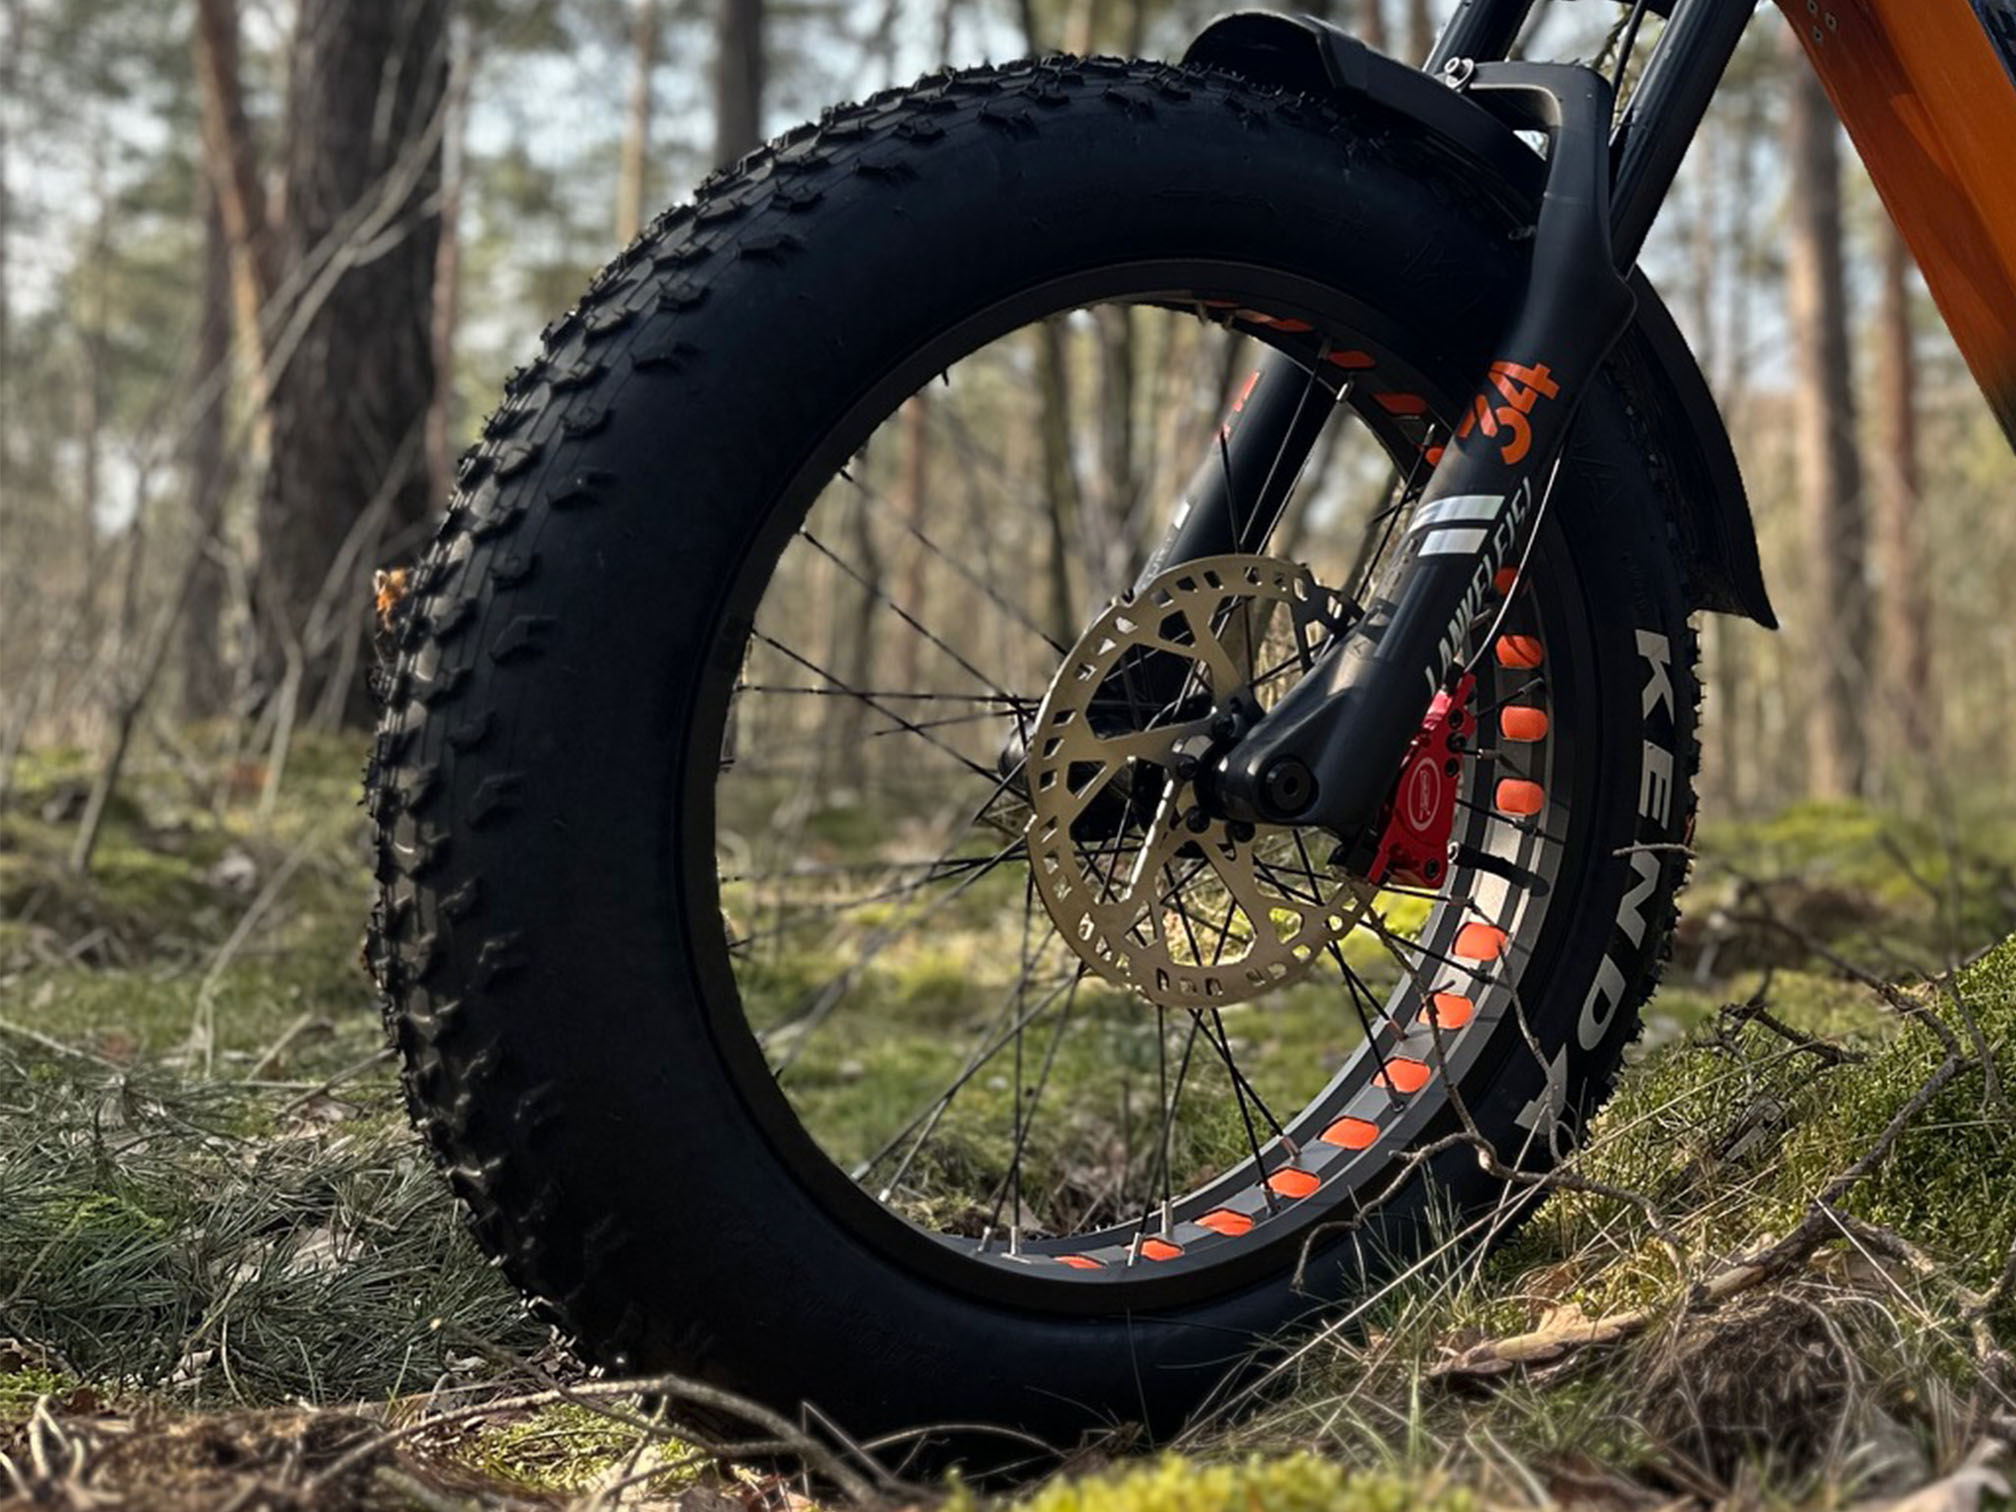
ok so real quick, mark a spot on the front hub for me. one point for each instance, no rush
(1149, 880)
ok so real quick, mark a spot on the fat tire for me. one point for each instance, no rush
(528, 935)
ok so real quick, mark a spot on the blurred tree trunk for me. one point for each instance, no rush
(348, 406)
(442, 416)
(1372, 25)
(1118, 483)
(844, 754)
(1905, 606)
(632, 187)
(205, 683)
(10, 81)
(1085, 23)
(1060, 473)
(1420, 31)
(91, 418)
(233, 160)
(1830, 475)
(738, 79)
(913, 494)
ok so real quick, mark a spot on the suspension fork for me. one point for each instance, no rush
(1238, 492)
(1327, 754)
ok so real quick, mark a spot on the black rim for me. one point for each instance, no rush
(1344, 1143)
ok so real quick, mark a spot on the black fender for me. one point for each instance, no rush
(1717, 540)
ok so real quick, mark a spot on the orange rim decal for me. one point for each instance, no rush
(1225, 1221)
(1352, 360)
(1351, 1134)
(1449, 1010)
(1519, 651)
(1506, 580)
(1519, 722)
(1403, 404)
(1479, 942)
(1080, 1262)
(1518, 796)
(1404, 1076)
(1275, 322)
(1293, 1183)
(1160, 1249)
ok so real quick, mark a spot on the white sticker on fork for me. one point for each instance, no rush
(1453, 543)
(1462, 507)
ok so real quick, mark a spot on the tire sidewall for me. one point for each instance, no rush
(577, 612)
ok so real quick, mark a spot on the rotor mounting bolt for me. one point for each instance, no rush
(1224, 727)
(1452, 767)
(1197, 821)
(1185, 766)
(1241, 831)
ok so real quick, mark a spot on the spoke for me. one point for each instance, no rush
(916, 533)
(1314, 899)
(1036, 1094)
(1361, 997)
(923, 1122)
(1221, 1043)
(1371, 551)
(1398, 945)
(874, 592)
(1239, 882)
(852, 869)
(1020, 1134)
(813, 913)
(818, 671)
(828, 997)
(1531, 685)
(1008, 700)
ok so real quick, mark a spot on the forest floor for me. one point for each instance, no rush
(1781, 1274)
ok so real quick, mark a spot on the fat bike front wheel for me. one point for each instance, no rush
(808, 959)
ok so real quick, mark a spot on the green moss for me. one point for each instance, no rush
(1734, 1137)
(568, 1447)
(21, 1388)
(1294, 1483)
(1849, 875)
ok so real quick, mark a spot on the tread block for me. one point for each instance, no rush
(495, 796)
(501, 956)
(525, 637)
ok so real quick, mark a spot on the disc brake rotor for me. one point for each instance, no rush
(1148, 888)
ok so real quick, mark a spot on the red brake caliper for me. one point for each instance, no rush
(1414, 844)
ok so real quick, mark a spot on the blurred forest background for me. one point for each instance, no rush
(264, 266)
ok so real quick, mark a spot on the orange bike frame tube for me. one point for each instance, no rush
(1927, 90)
